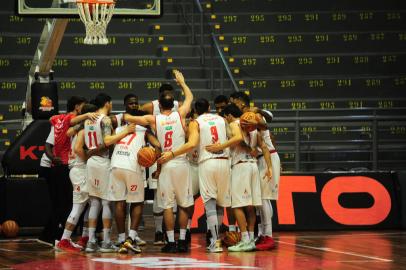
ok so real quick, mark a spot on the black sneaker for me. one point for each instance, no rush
(188, 236)
(182, 246)
(170, 247)
(159, 239)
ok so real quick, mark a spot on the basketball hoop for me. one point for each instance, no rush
(96, 15)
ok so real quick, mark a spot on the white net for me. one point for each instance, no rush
(96, 15)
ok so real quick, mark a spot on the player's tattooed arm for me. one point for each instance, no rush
(107, 130)
(154, 142)
(72, 131)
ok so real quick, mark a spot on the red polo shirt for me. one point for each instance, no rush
(62, 144)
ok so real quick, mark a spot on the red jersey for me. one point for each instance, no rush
(61, 123)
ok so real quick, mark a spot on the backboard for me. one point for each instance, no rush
(68, 8)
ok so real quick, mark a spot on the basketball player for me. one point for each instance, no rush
(127, 183)
(214, 168)
(245, 182)
(97, 133)
(60, 185)
(154, 109)
(220, 102)
(174, 182)
(77, 174)
(269, 187)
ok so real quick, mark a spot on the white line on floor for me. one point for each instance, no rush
(337, 251)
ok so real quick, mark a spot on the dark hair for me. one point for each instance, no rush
(221, 99)
(166, 101)
(231, 109)
(244, 98)
(101, 100)
(235, 94)
(73, 101)
(165, 87)
(138, 113)
(202, 106)
(127, 97)
(88, 108)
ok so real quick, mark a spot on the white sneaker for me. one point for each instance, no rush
(139, 241)
(215, 246)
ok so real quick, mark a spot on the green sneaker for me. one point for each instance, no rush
(239, 247)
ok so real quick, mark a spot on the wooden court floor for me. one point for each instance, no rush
(295, 250)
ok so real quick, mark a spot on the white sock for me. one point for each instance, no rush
(158, 223)
(252, 236)
(268, 230)
(182, 234)
(106, 235)
(213, 226)
(260, 229)
(85, 231)
(133, 234)
(245, 236)
(66, 234)
(121, 237)
(92, 234)
(189, 222)
(232, 228)
(171, 236)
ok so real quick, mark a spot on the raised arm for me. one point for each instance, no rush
(187, 103)
(193, 140)
(236, 138)
(147, 107)
(145, 120)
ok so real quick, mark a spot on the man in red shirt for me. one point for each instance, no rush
(60, 187)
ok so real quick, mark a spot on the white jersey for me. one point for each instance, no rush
(266, 136)
(170, 132)
(74, 160)
(94, 134)
(125, 151)
(238, 153)
(119, 118)
(212, 130)
(157, 111)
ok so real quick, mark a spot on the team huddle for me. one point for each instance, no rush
(226, 157)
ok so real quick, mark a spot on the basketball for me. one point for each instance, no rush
(10, 228)
(146, 156)
(231, 238)
(247, 121)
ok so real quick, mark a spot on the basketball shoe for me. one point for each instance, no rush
(265, 243)
(66, 245)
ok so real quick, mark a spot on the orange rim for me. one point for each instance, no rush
(95, 2)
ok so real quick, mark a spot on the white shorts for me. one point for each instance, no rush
(77, 177)
(126, 186)
(245, 185)
(270, 188)
(174, 185)
(152, 182)
(194, 178)
(215, 181)
(98, 176)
